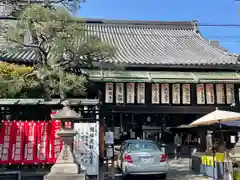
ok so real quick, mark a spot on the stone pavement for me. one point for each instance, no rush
(180, 170)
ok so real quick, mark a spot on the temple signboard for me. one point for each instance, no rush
(140, 93)
(200, 94)
(176, 94)
(155, 93)
(186, 94)
(119, 93)
(220, 94)
(130, 93)
(210, 97)
(165, 93)
(230, 94)
(109, 93)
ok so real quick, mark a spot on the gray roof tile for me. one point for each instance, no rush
(153, 42)
(164, 43)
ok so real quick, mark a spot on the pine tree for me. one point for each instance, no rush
(15, 7)
(61, 44)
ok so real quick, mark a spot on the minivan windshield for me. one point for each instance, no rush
(142, 146)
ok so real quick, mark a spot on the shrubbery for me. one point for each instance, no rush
(14, 84)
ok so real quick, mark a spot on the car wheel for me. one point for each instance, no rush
(125, 177)
(163, 176)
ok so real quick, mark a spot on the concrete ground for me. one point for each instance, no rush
(178, 170)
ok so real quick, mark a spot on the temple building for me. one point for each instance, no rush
(163, 74)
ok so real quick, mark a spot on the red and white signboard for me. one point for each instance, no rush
(230, 94)
(210, 94)
(165, 93)
(119, 93)
(220, 93)
(140, 93)
(18, 142)
(1, 141)
(43, 142)
(155, 93)
(8, 133)
(200, 94)
(176, 94)
(6, 143)
(130, 93)
(55, 141)
(30, 152)
(109, 93)
(186, 94)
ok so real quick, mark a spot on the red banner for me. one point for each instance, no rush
(7, 144)
(30, 156)
(30, 142)
(55, 141)
(2, 131)
(43, 142)
(18, 143)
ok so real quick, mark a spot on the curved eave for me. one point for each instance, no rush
(186, 66)
(198, 33)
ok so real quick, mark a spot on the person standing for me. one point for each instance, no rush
(178, 144)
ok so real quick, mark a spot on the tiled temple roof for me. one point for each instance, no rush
(151, 43)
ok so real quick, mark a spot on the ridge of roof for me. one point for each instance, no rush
(191, 25)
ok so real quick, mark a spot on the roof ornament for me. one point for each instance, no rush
(238, 58)
(149, 76)
(194, 77)
(195, 26)
(237, 74)
(102, 74)
(66, 113)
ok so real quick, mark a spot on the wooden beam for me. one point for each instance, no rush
(152, 109)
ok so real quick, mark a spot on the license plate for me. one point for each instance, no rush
(147, 160)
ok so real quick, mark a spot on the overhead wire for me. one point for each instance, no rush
(220, 8)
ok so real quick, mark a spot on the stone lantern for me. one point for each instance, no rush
(66, 166)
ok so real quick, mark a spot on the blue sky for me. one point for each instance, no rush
(205, 11)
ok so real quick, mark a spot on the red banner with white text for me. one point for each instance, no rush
(55, 141)
(18, 142)
(2, 135)
(8, 133)
(30, 142)
(43, 128)
(30, 150)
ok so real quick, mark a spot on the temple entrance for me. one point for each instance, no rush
(145, 126)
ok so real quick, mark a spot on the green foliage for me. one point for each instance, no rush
(71, 5)
(11, 80)
(60, 43)
(19, 5)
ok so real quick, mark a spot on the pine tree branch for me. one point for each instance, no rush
(32, 46)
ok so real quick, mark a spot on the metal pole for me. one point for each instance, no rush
(113, 158)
